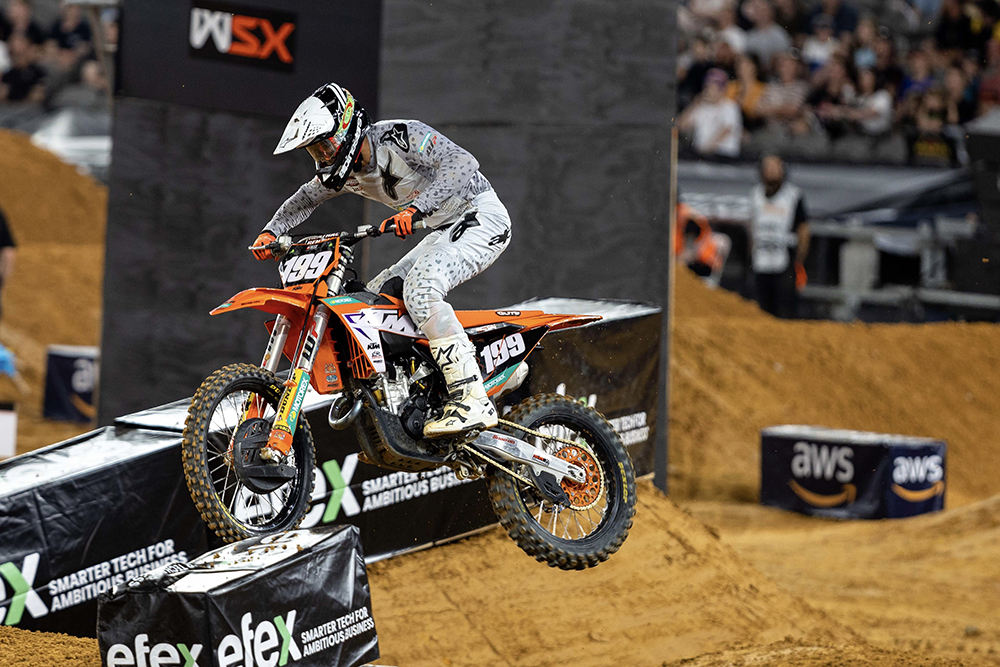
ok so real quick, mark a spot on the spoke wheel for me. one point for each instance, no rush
(596, 522)
(225, 498)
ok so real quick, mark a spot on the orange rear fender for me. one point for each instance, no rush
(525, 318)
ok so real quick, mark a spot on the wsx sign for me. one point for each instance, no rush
(240, 34)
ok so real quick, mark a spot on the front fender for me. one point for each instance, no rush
(274, 301)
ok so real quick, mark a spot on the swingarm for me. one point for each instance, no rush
(514, 450)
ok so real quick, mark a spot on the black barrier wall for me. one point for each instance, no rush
(197, 115)
(565, 103)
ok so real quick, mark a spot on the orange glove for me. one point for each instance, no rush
(262, 240)
(800, 276)
(403, 222)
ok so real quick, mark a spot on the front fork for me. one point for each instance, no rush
(290, 406)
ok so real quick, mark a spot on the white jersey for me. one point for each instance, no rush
(773, 222)
(412, 165)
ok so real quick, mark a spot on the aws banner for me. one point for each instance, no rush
(851, 474)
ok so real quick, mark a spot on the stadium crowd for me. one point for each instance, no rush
(891, 81)
(54, 66)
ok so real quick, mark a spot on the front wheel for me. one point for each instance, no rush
(596, 522)
(233, 503)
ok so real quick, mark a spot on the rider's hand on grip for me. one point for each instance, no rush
(402, 222)
(260, 252)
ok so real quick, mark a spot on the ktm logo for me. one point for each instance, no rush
(251, 36)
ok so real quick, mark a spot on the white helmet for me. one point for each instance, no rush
(331, 126)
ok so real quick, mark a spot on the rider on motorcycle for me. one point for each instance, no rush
(413, 168)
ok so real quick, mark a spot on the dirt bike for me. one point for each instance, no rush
(560, 480)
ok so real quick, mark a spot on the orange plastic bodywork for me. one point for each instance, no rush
(527, 319)
(270, 300)
(296, 305)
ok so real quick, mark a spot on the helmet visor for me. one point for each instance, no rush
(324, 151)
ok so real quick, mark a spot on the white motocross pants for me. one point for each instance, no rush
(446, 258)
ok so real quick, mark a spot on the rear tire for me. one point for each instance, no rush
(213, 484)
(522, 511)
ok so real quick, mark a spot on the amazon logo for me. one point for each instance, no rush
(247, 35)
(911, 470)
(826, 463)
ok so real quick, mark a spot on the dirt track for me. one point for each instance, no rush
(57, 217)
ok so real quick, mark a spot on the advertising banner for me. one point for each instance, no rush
(298, 598)
(70, 378)
(851, 474)
(271, 54)
(82, 516)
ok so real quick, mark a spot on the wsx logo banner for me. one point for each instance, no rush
(244, 35)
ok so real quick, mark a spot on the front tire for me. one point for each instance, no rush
(231, 509)
(597, 522)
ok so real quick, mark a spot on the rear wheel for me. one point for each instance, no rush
(598, 518)
(234, 505)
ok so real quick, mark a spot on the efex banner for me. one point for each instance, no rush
(298, 598)
(851, 474)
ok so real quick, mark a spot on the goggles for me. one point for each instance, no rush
(324, 151)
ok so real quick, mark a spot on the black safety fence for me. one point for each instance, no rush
(81, 516)
(851, 474)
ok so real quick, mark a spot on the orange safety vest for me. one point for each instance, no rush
(706, 249)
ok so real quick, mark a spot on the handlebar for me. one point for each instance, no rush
(284, 243)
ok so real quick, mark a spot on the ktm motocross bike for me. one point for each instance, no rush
(560, 480)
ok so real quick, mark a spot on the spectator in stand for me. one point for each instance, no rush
(19, 21)
(954, 30)
(725, 58)
(844, 17)
(832, 97)
(821, 45)
(788, 14)
(713, 120)
(888, 70)
(864, 45)
(872, 111)
(747, 91)
(8, 251)
(23, 81)
(91, 92)
(692, 69)
(767, 37)
(730, 33)
(783, 101)
(989, 80)
(779, 239)
(71, 32)
(960, 106)
(919, 78)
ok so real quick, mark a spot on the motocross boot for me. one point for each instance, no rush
(468, 405)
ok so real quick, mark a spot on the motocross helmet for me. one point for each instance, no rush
(331, 126)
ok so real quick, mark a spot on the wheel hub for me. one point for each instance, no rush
(258, 475)
(582, 495)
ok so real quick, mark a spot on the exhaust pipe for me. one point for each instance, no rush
(338, 407)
